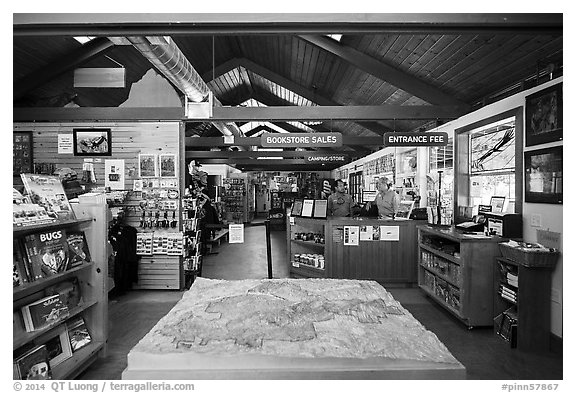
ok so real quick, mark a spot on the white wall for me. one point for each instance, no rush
(552, 215)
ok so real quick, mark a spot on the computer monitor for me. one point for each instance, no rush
(369, 196)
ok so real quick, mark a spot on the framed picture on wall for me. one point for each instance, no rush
(92, 141)
(544, 116)
(22, 152)
(147, 165)
(543, 175)
(168, 167)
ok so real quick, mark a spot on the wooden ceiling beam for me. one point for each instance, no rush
(258, 153)
(86, 52)
(273, 77)
(254, 161)
(383, 71)
(123, 24)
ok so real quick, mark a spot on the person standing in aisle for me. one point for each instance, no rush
(340, 203)
(387, 200)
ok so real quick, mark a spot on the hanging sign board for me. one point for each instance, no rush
(415, 139)
(303, 139)
(328, 158)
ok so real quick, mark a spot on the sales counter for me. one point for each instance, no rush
(354, 248)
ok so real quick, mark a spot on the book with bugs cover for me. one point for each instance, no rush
(47, 253)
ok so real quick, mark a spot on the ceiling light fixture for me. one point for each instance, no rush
(83, 39)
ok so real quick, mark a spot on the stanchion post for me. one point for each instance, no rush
(268, 248)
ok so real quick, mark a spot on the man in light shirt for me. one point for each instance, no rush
(387, 200)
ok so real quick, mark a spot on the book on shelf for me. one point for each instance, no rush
(26, 214)
(33, 364)
(58, 345)
(78, 333)
(78, 252)
(47, 253)
(48, 192)
(69, 292)
(20, 258)
(20, 271)
(43, 312)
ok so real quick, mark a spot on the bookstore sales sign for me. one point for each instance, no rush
(304, 139)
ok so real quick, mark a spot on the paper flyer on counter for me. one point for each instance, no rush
(351, 235)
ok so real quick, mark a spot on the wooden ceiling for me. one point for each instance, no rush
(384, 60)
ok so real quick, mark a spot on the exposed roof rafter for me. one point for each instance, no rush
(66, 63)
(383, 71)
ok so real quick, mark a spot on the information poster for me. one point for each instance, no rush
(337, 235)
(65, 144)
(369, 232)
(351, 235)
(390, 233)
(236, 233)
(114, 174)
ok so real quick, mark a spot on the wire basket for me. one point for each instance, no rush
(530, 257)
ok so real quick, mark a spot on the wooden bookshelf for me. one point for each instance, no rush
(92, 278)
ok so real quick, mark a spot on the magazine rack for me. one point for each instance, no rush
(92, 279)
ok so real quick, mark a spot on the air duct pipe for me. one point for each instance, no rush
(169, 59)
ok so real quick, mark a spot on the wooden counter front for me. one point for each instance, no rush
(379, 260)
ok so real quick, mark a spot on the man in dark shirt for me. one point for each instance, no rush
(340, 203)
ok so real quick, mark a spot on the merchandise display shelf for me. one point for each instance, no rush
(74, 365)
(26, 337)
(34, 286)
(309, 243)
(441, 275)
(441, 302)
(26, 230)
(441, 254)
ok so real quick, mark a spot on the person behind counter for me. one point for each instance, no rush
(387, 200)
(340, 203)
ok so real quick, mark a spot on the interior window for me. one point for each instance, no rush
(492, 164)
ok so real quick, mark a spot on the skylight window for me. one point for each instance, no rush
(84, 39)
(336, 37)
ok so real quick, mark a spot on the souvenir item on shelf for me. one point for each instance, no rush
(48, 192)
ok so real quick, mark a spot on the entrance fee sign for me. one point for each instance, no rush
(304, 139)
(415, 139)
